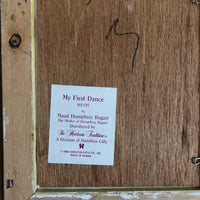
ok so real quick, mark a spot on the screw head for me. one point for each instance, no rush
(15, 40)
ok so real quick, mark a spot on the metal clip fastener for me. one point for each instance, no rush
(9, 184)
(196, 161)
(196, 2)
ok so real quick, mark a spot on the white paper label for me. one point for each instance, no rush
(82, 125)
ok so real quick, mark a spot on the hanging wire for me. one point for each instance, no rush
(121, 34)
(89, 2)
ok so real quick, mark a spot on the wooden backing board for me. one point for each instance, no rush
(157, 122)
(1, 135)
(17, 100)
(1, 141)
(18, 120)
(1, 145)
(1, 158)
(145, 195)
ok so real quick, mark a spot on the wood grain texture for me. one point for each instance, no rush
(16, 70)
(157, 122)
(17, 94)
(1, 143)
(1, 134)
(145, 195)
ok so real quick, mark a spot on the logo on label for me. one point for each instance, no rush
(81, 146)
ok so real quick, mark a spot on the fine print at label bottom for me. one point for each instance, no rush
(82, 125)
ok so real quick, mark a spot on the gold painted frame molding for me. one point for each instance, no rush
(19, 116)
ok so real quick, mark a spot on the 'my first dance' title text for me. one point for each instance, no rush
(83, 98)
